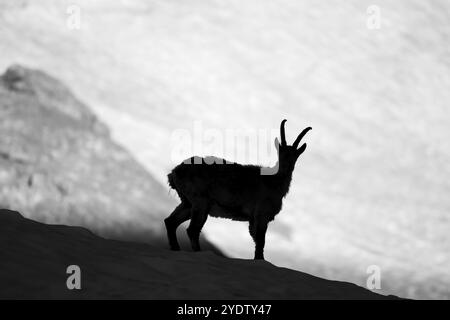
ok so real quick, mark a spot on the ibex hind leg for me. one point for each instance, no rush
(181, 214)
(199, 214)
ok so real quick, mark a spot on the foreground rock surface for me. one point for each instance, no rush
(34, 258)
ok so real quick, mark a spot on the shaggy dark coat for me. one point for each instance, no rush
(216, 187)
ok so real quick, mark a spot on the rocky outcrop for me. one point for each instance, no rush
(58, 163)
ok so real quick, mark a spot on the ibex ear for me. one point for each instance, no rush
(277, 144)
(301, 149)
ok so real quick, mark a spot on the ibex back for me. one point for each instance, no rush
(228, 190)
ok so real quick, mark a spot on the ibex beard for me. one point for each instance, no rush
(219, 188)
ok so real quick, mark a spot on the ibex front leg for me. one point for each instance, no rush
(258, 228)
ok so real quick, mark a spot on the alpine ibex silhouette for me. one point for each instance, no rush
(219, 188)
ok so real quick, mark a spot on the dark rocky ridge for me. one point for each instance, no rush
(58, 164)
(34, 259)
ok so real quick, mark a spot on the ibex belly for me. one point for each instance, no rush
(229, 213)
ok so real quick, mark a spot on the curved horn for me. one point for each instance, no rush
(300, 137)
(282, 133)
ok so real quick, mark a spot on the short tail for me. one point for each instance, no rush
(170, 179)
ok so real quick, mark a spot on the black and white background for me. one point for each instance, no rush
(371, 77)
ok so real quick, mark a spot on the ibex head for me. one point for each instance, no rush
(288, 155)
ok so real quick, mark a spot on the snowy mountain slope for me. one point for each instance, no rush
(373, 186)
